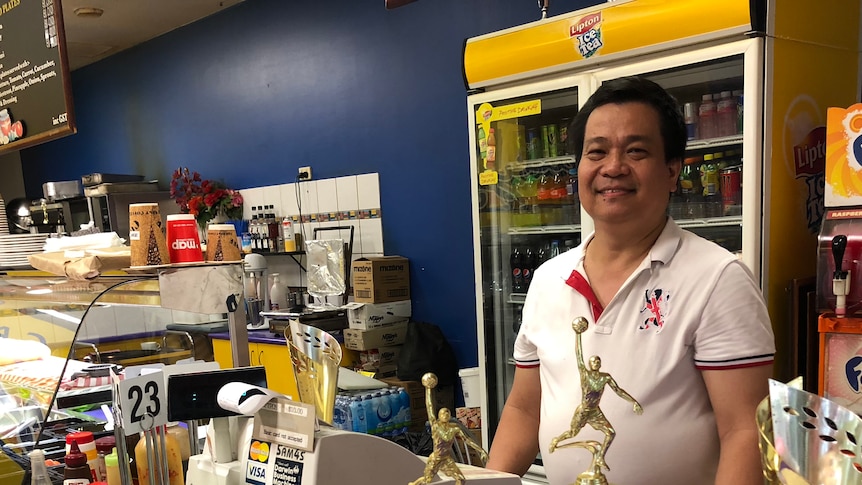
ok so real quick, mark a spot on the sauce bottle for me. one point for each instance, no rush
(77, 471)
(175, 462)
(112, 468)
(38, 469)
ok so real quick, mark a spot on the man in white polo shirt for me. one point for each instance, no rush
(678, 321)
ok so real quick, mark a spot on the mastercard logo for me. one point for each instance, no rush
(259, 451)
(844, 151)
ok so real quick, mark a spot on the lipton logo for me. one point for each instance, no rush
(392, 267)
(809, 156)
(587, 34)
(584, 24)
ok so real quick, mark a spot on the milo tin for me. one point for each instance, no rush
(550, 136)
(534, 144)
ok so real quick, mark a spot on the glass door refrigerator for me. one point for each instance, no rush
(753, 173)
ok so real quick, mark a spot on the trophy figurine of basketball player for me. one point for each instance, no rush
(443, 433)
(593, 384)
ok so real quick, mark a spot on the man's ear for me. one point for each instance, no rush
(674, 167)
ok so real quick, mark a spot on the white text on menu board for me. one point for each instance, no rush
(12, 81)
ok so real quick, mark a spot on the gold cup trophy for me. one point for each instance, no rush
(593, 383)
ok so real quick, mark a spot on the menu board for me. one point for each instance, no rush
(35, 96)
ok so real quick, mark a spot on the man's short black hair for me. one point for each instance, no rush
(641, 90)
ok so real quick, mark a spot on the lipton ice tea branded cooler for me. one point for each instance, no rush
(775, 70)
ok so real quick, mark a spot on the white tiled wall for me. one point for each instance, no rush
(328, 198)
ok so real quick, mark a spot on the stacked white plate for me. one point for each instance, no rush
(4, 222)
(14, 248)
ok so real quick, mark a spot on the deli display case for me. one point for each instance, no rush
(59, 337)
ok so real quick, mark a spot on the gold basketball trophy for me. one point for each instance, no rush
(593, 384)
(443, 433)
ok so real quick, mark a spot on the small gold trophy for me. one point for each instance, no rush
(443, 433)
(593, 384)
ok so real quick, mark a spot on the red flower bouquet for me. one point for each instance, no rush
(205, 199)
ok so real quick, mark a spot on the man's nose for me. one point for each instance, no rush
(615, 165)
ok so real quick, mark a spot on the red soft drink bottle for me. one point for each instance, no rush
(517, 263)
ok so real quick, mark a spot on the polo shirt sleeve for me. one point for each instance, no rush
(525, 352)
(735, 330)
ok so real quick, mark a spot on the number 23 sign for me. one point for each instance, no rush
(143, 403)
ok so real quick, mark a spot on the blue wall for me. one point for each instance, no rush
(345, 86)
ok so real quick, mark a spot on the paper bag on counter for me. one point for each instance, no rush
(77, 266)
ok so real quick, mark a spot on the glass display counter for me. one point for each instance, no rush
(58, 338)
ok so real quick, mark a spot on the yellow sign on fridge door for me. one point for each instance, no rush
(507, 137)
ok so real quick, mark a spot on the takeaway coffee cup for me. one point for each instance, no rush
(146, 235)
(222, 243)
(184, 245)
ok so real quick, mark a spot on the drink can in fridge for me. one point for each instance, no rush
(690, 115)
(534, 145)
(563, 139)
(553, 140)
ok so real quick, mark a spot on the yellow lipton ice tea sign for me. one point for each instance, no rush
(487, 137)
(844, 156)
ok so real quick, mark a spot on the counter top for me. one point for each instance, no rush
(255, 336)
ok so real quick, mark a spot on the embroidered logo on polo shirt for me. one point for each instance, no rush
(655, 309)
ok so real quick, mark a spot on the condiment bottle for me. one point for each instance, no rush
(38, 469)
(112, 468)
(104, 447)
(77, 471)
(87, 446)
(175, 462)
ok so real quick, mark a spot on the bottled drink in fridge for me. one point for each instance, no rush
(528, 267)
(571, 203)
(528, 202)
(516, 263)
(706, 117)
(691, 189)
(726, 115)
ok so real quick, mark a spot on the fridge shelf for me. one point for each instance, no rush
(517, 298)
(542, 162)
(561, 229)
(714, 142)
(710, 222)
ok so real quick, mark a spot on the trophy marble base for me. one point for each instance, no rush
(590, 478)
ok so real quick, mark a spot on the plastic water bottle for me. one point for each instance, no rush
(395, 404)
(383, 412)
(358, 411)
(338, 414)
(371, 421)
(405, 407)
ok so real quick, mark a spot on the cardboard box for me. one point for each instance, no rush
(365, 316)
(381, 279)
(387, 336)
(380, 356)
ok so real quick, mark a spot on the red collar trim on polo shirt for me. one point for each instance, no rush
(580, 284)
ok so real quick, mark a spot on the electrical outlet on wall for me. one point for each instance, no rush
(304, 173)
